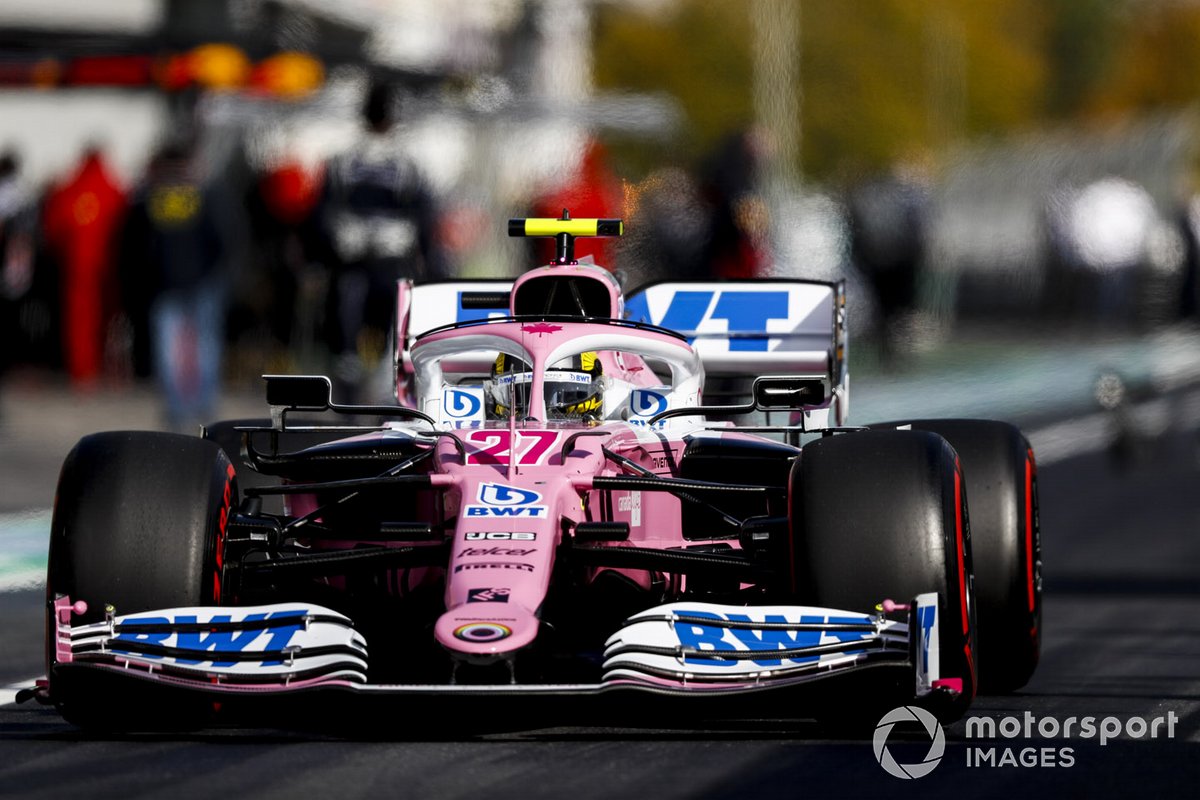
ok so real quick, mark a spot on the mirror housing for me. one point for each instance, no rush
(300, 392)
(789, 392)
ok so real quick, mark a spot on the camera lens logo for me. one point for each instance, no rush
(928, 722)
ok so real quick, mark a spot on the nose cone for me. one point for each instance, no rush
(486, 628)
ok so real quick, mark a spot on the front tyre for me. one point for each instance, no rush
(882, 514)
(1001, 478)
(139, 522)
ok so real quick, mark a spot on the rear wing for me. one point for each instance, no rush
(740, 328)
(747, 328)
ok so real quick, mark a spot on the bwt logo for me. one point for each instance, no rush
(498, 494)
(645, 403)
(506, 501)
(461, 404)
(926, 618)
(227, 641)
(717, 639)
(742, 311)
(523, 512)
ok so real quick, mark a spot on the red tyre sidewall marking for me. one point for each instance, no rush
(792, 534)
(962, 573)
(222, 523)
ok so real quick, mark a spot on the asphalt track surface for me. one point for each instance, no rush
(1121, 543)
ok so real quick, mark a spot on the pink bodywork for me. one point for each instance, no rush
(508, 551)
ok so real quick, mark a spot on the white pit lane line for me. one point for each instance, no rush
(23, 556)
(8, 694)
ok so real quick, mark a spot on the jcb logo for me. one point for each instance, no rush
(500, 536)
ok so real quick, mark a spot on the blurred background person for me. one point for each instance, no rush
(739, 218)
(591, 191)
(172, 263)
(888, 219)
(665, 230)
(276, 307)
(378, 221)
(81, 221)
(16, 255)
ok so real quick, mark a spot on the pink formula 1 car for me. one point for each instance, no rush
(555, 506)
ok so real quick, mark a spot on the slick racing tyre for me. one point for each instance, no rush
(138, 524)
(882, 515)
(1001, 474)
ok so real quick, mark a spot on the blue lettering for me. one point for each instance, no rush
(698, 636)
(217, 641)
(148, 637)
(926, 615)
(757, 639)
(684, 314)
(776, 639)
(846, 636)
(282, 635)
(749, 312)
(534, 512)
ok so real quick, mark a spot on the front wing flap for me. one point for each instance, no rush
(704, 645)
(266, 647)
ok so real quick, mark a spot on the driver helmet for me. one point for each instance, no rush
(573, 386)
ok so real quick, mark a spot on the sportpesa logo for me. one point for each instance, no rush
(928, 722)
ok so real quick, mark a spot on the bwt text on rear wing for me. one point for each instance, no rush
(740, 328)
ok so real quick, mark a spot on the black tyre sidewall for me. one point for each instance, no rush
(139, 521)
(1001, 476)
(882, 514)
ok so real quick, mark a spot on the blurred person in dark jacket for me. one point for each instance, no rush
(172, 267)
(888, 217)
(739, 219)
(17, 237)
(378, 218)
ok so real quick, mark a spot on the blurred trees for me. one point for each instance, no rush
(888, 80)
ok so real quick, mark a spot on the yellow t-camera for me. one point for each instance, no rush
(571, 227)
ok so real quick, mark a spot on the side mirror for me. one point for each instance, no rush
(302, 392)
(788, 392)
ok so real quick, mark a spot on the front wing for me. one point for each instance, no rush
(679, 648)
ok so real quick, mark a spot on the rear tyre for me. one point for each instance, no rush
(1001, 475)
(139, 520)
(882, 514)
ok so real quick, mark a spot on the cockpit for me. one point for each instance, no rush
(570, 372)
